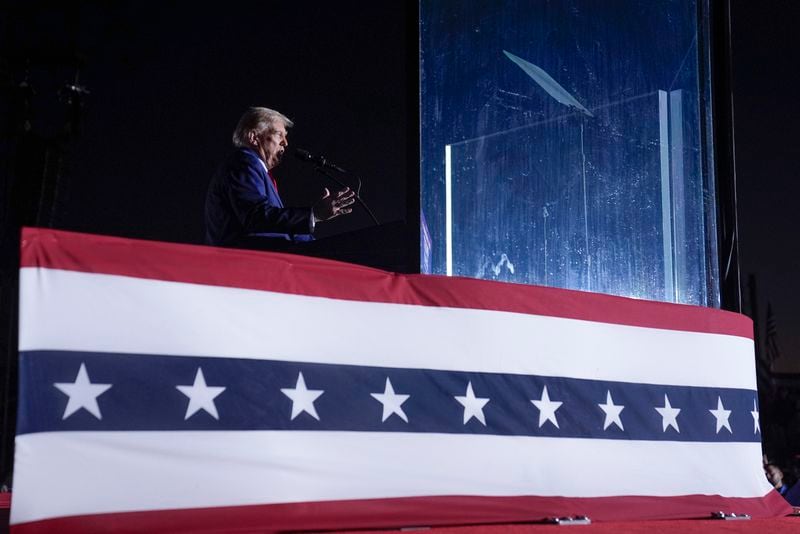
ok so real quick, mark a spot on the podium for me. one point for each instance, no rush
(384, 247)
(388, 247)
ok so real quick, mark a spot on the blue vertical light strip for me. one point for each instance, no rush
(448, 196)
(666, 200)
(680, 214)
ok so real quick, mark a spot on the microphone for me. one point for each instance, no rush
(321, 163)
(319, 160)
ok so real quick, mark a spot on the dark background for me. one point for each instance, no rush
(167, 82)
(766, 55)
(114, 116)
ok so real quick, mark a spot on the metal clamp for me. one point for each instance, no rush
(730, 517)
(569, 520)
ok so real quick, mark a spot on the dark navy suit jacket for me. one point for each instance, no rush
(244, 209)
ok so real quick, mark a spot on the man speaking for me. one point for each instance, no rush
(243, 207)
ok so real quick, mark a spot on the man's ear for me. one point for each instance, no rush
(252, 137)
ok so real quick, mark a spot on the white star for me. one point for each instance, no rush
(547, 409)
(392, 402)
(756, 423)
(82, 394)
(612, 412)
(302, 398)
(473, 406)
(669, 415)
(721, 415)
(201, 396)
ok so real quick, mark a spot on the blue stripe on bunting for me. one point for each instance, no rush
(143, 396)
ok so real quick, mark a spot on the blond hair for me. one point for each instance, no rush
(257, 120)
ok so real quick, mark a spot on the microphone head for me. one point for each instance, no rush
(318, 160)
(304, 155)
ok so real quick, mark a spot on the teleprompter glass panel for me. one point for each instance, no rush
(567, 143)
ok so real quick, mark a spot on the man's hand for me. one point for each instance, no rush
(330, 206)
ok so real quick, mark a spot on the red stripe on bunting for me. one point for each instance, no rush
(287, 273)
(409, 512)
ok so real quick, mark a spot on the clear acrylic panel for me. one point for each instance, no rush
(566, 143)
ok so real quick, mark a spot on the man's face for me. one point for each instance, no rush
(271, 144)
(774, 475)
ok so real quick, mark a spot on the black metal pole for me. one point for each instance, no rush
(724, 155)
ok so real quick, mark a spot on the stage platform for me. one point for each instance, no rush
(177, 388)
(684, 526)
(790, 524)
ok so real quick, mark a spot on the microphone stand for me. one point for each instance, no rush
(357, 197)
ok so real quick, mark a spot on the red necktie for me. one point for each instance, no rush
(274, 183)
